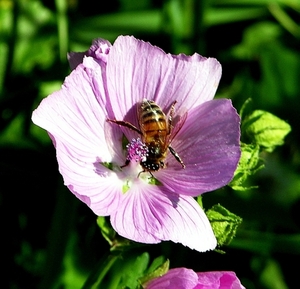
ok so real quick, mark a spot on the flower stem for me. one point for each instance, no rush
(95, 279)
(62, 26)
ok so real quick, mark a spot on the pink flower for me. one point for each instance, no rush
(109, 82)
(182, 278)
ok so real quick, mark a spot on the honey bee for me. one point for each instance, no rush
(157, 132)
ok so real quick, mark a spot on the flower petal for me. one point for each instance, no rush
(208, 144)
(150, 214)
(218, 280)
(77, 124)
(183, 278)
(179, 278)
(92, 183)
(137, 70)
(74, 116)
(98, 50)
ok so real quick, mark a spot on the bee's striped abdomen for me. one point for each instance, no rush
(152, 119)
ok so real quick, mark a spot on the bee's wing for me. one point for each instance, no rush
(177, 123)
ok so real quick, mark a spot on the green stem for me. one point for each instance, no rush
(62, 27)
(10, 33)
(283, 18)
(199, 25)
(95, 279)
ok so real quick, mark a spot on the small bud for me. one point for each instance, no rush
(224, 224)
(248, 165)
(266, 129)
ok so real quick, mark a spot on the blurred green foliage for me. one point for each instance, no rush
(50, 239)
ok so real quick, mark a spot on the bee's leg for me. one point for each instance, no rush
(126, 124)
(151, 174)
(171, 113)
(176, 156)
(126, 164)
(146, 171)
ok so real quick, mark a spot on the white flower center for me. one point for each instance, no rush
(137, 152)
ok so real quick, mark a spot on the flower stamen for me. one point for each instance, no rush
(137, 151)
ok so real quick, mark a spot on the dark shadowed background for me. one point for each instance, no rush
(49, 239)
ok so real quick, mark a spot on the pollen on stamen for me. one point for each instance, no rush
(137, 150)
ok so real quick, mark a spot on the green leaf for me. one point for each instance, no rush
(199, 201)
(217, 16)
(107, 231)
(116, 242)
(110, 26)
(256, 38)
(271, 275)
(266, 129)
(119, 271)
(224, 224)
(158, 263)
(133, 271)
(284, 19)
(155, 270)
